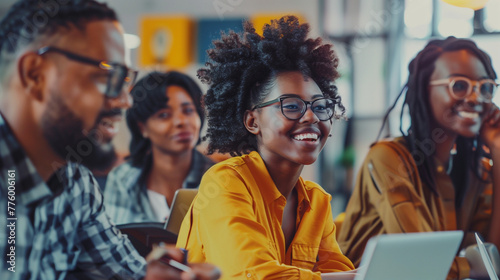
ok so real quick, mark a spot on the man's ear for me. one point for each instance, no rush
(31, 74)
(251, 122)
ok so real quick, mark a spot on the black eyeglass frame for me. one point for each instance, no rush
(112, 91)
(281, 98)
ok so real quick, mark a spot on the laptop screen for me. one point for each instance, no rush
(409, 256)
(180, 206)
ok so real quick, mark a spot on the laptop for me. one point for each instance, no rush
(409, 256)
(486, 259)
(180, 206)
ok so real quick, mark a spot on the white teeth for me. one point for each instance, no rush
(306, 136)
(470, 115)
(106, 123)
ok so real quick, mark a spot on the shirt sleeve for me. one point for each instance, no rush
(390, 178)
(104, 252)
(228, 228)
(122, 198)
(481, 219)
(114, 197)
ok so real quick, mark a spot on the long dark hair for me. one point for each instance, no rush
(469, 150)
(149, 95)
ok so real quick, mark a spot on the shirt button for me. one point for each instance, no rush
(249, 275)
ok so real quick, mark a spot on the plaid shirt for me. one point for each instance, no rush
(125, 194)
(60, 228)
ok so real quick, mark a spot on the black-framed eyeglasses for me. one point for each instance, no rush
(293, 108)
(462, 87)
(120, 76)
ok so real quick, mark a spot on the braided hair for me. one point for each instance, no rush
(469, 151)
(242, 68)
(29, 20)
(149, 95)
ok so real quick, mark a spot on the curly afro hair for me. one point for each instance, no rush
(242, 69)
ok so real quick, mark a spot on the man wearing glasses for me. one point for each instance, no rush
(63, 84)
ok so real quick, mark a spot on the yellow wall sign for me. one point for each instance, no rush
(473, 4)
(166, 40)
(259, 20)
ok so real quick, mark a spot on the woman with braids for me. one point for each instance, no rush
(165, 122)
(440, 175)
(270, 104)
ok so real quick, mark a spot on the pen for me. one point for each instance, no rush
(160, 253)
(176, 264)
(185, 259)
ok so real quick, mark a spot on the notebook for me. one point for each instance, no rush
(144, 235)
(409, 256)
(486, 259)
(180, 206)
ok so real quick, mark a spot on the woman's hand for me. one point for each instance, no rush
(490, 130)
(159, 267)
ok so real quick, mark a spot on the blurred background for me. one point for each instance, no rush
(375, 40)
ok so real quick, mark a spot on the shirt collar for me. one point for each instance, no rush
(302, 195)
(259, 172)
(30, 187)
(262, 178)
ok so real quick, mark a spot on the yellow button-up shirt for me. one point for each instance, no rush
(235, 223)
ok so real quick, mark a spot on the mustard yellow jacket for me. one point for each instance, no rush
(389, 197)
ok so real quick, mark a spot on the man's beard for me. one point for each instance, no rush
(66, 136)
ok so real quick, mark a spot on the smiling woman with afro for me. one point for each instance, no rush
(270, 104)
(243, 68)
